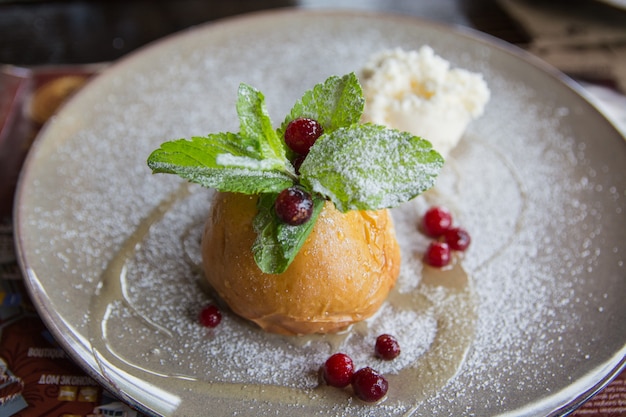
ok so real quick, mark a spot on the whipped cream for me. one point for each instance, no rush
(418, 92)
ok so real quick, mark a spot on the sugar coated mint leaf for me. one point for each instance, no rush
(336, 102)
(219, 161)
(250, 162)
(370, 167)
(277, 243)
(255, 125)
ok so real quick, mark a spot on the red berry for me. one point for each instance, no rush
(436, 221)
(369, 385)
(437, 254)
(210, 316)
(301, 134)
(294, 206)
(457, 238)
(387, 347)
(338, 370)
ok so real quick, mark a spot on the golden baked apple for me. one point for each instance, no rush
(341, 275)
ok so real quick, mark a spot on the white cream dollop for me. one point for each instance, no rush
(418, 92)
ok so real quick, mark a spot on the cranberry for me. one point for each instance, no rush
(369, 385)
(457, 238)
(210, 316)
(387, 347)
(338, 370)
(436, 221)
(294, 206)
(301, 134)
(437, 254)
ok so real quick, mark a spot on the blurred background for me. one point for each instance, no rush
(584, 38)
(61, 32)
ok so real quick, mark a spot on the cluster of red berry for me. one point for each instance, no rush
(294, 205)
(367, 384)
(437, 223)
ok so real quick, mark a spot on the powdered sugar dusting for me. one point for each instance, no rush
(236, 352)
(538, 181)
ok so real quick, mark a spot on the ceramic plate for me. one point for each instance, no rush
(533, 322)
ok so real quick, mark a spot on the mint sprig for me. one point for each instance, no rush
(356, 166)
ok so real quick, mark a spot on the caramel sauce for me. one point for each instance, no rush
(455, 315)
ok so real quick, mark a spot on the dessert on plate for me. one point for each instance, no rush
(299, 238)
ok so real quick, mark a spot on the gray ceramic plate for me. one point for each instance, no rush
(110, 252)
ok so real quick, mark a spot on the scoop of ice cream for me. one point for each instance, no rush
(418, 92)
(342, 274)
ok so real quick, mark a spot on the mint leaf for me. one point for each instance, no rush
(251, 162)
(336, 102)
(218, 161)
(277, 243)
(256, 127)
(370, 167)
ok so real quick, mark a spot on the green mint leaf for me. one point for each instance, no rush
(277, 243)
(335, 103)
(256, 127)
(370, 167)
(219, 161)
(251, 162)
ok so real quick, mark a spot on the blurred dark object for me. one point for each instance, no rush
(34, 33)
(487, 16)
(77, 32)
